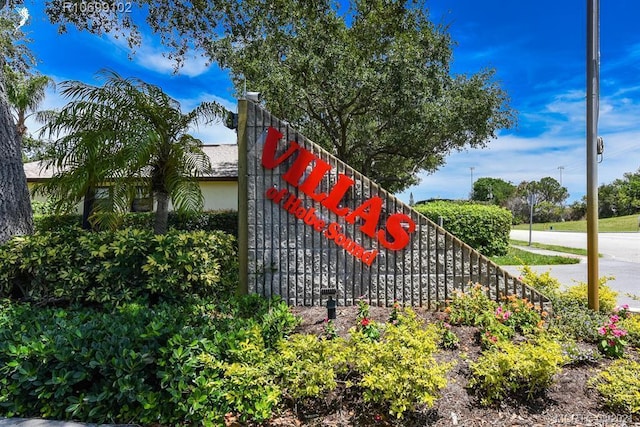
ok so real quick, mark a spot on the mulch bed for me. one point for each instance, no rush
(569, 402)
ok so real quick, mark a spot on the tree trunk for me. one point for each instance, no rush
(16, 217)
(161, 223)
(87, 207)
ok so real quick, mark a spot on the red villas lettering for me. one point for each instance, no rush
(398, 226)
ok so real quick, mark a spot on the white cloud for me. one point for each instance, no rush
(215, 134)
(156, 60)
(154, 57)
(562, 142)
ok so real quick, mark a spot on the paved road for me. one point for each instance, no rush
(621, 260)
(621, 246)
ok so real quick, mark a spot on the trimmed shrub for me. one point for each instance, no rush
(112, 267)
(399, 371)
(515, 370)
(226, 221)
(483, 227)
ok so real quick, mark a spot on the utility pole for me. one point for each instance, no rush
(593, 93)
(471, 168)
(560, 168)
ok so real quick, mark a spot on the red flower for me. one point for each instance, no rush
(364, 321)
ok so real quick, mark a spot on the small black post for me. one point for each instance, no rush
(331, 303)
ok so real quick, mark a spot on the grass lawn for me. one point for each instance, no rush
(517, 256)
(557, 248)
(618, 224)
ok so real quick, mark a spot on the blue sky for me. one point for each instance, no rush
(537, 48)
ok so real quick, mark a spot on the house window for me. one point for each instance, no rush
(102, 196)
(142, 201)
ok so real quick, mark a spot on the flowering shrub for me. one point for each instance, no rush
(469, 308)
(520, 314)
(368, 327)
(329, 332)
(612, 342)
(395, 312)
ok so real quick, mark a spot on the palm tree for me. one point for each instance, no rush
(138, 137)
(25, 94)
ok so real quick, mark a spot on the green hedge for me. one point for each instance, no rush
(226, 221)
(483, 227)
(111, 267)
(161, 365)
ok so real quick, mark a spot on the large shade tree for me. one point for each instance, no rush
(129, 134)
(370, 80)
(493, 190)
(15, 207)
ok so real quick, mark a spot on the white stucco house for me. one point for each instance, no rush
(219, 188)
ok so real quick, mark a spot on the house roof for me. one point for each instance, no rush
(224, 165)
(224, 161)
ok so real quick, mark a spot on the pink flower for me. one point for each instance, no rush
(602, 330)
(614, 318)
(619, 333)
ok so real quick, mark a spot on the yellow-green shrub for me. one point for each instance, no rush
(631, 324)
(515, 370)
(309, 366)
(619, 385)
(606, 296)
(544, 283)
(400, 370)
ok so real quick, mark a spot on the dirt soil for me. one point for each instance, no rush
(569, 402)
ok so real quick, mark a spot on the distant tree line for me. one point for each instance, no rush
(619, 198)
(546, 195)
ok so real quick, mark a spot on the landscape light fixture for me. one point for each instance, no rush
(331, 303)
